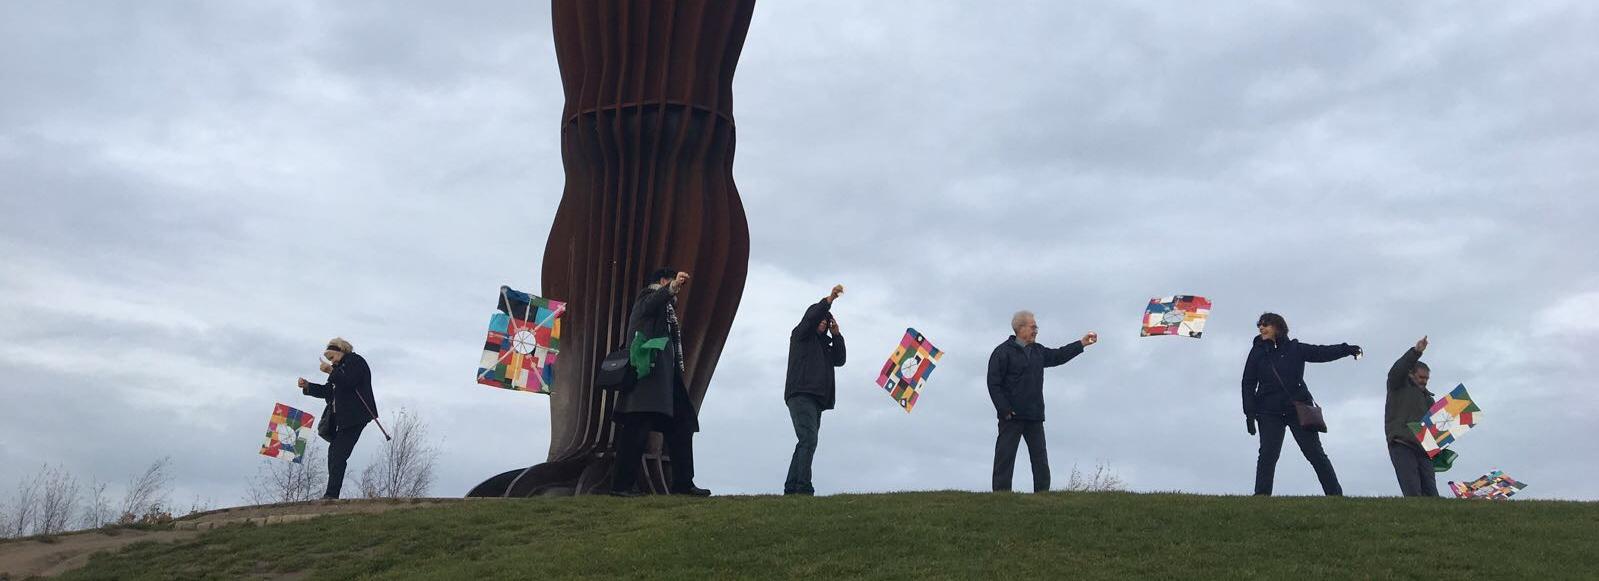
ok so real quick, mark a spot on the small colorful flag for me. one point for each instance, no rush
(524, 339)
(908, 368)
(1495, 485)
(287, 433)
(1446, 420)
(1176, 315)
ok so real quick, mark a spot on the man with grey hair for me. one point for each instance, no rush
(1016, 384)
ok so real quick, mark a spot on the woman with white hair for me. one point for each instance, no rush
(350, 406)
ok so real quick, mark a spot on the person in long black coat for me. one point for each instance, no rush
(659, 400)
(809, 387)
(350, 407)
(1274, 378)
(1016, 385)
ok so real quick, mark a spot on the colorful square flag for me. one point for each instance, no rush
(524, 339)
(1446, 420)
(908, 368)
(1495, 485)
(287, 434)
(1176, 315)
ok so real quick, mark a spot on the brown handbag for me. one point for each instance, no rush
(1309, 414)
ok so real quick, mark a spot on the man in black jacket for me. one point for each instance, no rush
(350, 406)
(809, 389)
(1016, 384)
(1408, 400)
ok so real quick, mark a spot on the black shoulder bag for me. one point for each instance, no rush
(1309, 414)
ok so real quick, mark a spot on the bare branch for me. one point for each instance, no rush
(404, 467)
(278, 481)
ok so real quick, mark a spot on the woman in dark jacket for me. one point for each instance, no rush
(659, 400)
(350, 406)
(1273, 380)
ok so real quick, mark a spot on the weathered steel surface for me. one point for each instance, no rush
(647, 142)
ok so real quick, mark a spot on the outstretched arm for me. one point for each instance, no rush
(1325, 353)
(1397, 376)
(812, 318)
(1062, 354)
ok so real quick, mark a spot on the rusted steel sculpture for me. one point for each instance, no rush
(647, 142)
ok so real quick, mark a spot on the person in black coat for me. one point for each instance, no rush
(1274, 376)
(659, 400)
(1016, 384)
(809, 388)
(349, 408)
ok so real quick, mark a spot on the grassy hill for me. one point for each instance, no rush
(926, 535)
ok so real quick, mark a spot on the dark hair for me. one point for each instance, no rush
(1274, 320)
(660, 273)
(1421, 366)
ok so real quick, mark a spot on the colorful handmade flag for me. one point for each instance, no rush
(1446, 420)
(524, 339)
(1176, 315)
(287, 433)
(1495, 485)
(908, 368)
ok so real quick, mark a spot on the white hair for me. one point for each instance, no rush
(1019, 318)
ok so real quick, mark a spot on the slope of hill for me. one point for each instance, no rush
(923, 535)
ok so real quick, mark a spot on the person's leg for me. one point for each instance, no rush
(631, 436)
(1425, 474)
(1010, 434)
(1404, 460)
(339, 451)
(680, 445)
(806, 415)
(1310, 445)
(1037, 454)
(1270, 427)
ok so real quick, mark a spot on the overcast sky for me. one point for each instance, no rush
(195, 195)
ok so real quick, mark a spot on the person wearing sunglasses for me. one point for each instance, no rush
(350, 406)
(1274, 378)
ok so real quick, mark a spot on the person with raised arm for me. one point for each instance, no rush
(1016, 386)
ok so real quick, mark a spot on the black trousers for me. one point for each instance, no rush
(806, 413)
(1011, 432)
(1270, 427)
(634, 433)
(344, 439)
(1414, 469)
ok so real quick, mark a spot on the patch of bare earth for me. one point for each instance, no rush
(54, 555)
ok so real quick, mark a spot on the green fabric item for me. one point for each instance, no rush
(1444, 460)
(641, 353)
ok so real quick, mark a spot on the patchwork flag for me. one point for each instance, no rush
(908, 368)
(1176, 315)
(524, 339)
(287, 434)
(1447, 419)
(1495, 485)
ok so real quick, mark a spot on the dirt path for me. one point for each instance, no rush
(24, 558)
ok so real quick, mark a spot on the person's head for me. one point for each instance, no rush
(1272, 327)
(1420, 374)
(827, 321)
(1025, 325)
(661, 276)
(336, 349)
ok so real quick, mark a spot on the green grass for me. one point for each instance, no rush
(933, 535)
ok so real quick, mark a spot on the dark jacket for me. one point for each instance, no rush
(348, 393)
(1274, 373)
(1407, 402)
(812, 357)
(655, 393)
(1016, 376)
